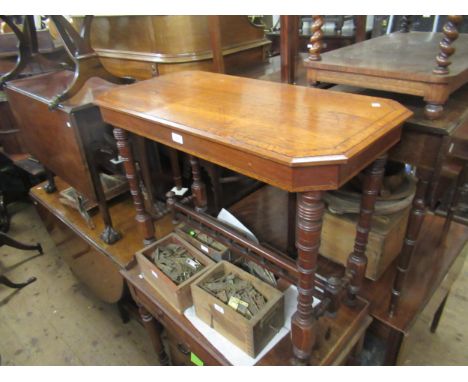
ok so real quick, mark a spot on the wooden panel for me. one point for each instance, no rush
(49, 136)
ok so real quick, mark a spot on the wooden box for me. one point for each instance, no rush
(179, 296)
(249, 335)
(182, 230)
(385, 239)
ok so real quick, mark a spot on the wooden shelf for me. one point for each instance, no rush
(123, 217)
(345, 329)
(264, 212)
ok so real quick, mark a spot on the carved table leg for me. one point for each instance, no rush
(174, 159)
(198, 187)
(154, 329)
(413, 228)
(310, 209)
(357, 261)
(446, 48)
(144, 220)
(315, 45)
(50, 185)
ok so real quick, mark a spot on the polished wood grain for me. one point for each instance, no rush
(398, 62)
(51, 135)
(147, 46)
(221, 116)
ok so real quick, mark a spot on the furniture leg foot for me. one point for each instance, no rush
(433, 111)
(5, 281)
(110, 235)
(438, 315)
(7, 240)
(50, 186)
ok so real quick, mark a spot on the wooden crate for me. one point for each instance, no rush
(179, 296)
(385, 239)
(249, 335)
(214, 254)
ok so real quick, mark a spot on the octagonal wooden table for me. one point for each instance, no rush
(301, 140)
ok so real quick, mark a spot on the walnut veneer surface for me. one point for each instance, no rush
(272, 132)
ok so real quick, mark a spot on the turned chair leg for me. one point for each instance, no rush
(357, 261)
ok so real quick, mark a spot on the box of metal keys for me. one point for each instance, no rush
(170, 265)
(241, 307)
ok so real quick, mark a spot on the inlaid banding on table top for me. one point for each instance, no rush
(287, 124)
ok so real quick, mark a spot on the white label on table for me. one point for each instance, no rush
(177, 138)
(204, 248)
(375, 104)
(154, 274)
(218, 308)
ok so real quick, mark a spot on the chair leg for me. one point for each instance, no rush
(7, 240)
(5, 281)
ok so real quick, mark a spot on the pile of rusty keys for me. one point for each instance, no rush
(239, 294)
(205, 239)
(176, 262)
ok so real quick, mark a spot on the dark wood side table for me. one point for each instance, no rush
(402, 62)
(301, 140)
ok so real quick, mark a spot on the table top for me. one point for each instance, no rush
(268, 131)
(407, 56)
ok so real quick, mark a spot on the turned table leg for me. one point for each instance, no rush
(154, 329)
(413, 228)
(310, 209)
(143, 219)
(198, 187)
(454, 203)
(357, 261)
